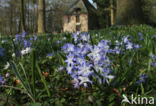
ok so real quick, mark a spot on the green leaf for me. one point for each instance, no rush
(19, 77)
(142, 89)
(43, 80)
(35, 104)
(26, 77)
(33, 60)
(63, 100)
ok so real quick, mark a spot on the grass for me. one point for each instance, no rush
(39, 76)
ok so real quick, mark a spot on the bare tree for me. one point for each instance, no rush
(22, 16)
(41, 16)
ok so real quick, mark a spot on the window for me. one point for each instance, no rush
(77, 10)
(77, 18)
(68, 19)
(78, 27)
(77, 14)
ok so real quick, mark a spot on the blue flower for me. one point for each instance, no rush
(80, 60)
(84, 81)
(153, 64)
(84, 50)
(80, 45)
(153, 57)
(70, 60)
(142, 78)
(68, 48)
(18, 38)
(116, 50)
(85, 37)
(125, 39)
(69, 69)
(35, 37)
(88, 46)
(23, 34)
(95, 52)
(31, 38)
(18, 53)
(60, 68)
(103, 43)
(77, 51)
(1, 51)
(129, 46)
(50, 54)
(75, 36)
(85, 70)
(2, 81)
(140, 35)
(106, 75)
(23, 43)
(75, 82)
(58, 41)
(26, 43)
(154, 36)
(136, 46)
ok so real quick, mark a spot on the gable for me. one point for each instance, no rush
(83, 5)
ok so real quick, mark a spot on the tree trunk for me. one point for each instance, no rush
(11, 19)
(22, 16)
(41, 16)
(112, 12)
(149, 10)
(28, 23)
(129, 12)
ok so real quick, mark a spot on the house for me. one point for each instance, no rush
(80, 16)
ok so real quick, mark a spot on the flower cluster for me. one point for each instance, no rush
(24, 43)
(122, 46)
(85, 61)
(26, 51)
(127, 44)
(20, 39)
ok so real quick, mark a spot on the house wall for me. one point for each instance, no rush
(84, 22)
(71, 26)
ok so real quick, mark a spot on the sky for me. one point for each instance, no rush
(91, 1)
(94, 4)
